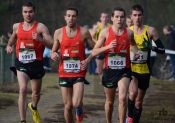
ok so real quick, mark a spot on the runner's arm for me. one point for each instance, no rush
(134, 47)
(155, 37)
(133, 43)
(12, 39)
(54, 55)
(98, 49)
(89, 39)
(46, 37)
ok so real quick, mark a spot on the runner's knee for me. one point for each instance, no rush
(68, 107)
(138, 103)
(109, 103)
(122, 100)
(22, 91)
(132, 94)
(35, 95)
(76, 103)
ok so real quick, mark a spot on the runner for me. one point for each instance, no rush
(143, 34)
(104, 19)
(71, 40)
(115, 43)
(30, 37)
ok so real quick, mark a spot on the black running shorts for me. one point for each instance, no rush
(34, 69)
(111, 77)
(69, 82)
(143, 80)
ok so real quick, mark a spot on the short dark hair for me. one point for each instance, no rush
(137, 7)
(29, 4)
(118, 9)
(73, 9)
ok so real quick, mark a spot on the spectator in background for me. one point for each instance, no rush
(170, 34)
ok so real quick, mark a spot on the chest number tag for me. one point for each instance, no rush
(27, 55)
(116, 61)
(143, 57)
(71, 65)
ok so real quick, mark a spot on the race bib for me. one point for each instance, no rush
(143, 57)
(71, 65)
(27, 55)
(116, 61)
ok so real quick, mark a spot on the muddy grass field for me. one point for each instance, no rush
(159, 103)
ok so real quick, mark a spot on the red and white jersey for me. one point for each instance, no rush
(119, 57)
(72, 51)
(28, 49)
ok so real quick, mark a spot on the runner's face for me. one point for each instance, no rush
(118, 18)
(71, 18)
(28, 14)
(137, 17)
(104, 18)
(128, 22)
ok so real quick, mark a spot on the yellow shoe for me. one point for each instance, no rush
(35, 114)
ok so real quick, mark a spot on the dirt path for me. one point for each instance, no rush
(158, 105)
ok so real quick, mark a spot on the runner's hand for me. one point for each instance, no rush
(9, 49)
(136, 55)
(112, 44)
(84, 64)
(37, 37)
(54, 56)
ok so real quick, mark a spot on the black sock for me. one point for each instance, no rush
(34, 108)
(130, 107)
(137, 114)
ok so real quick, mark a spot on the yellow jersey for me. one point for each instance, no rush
(144, 46)
(99, 29)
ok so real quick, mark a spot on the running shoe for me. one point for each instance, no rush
(129, 120)
(79, 115)
(35, 114)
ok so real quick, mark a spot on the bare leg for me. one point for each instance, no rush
(67, 94)
(78, 93)
(36, 89)
(138, 105)
(133, 89)
(123, 86)
(22, 101)
(110, 97)
(100, 67)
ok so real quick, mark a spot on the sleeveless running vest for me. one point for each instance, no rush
(27, 49)
(99, 29)
(72, 51)
(144, 45)
(119, 57)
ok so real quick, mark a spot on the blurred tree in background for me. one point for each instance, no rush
(51, 12)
